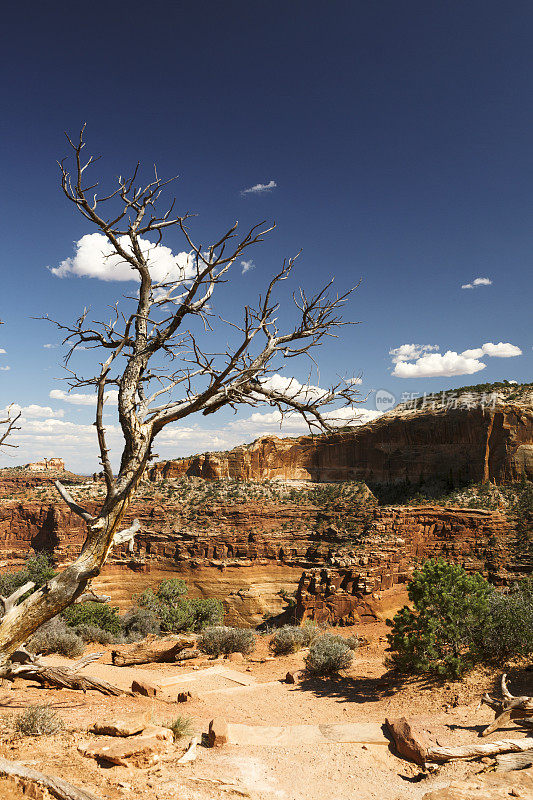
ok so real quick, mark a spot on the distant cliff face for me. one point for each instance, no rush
(459, 444)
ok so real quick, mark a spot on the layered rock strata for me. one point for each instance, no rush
(457, 445)
(334, 558)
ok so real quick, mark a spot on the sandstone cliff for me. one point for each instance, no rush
(337, 555)
(470, 441)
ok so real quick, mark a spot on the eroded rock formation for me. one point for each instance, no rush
(491, 442)
(337, 557)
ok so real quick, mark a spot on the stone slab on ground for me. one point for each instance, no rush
(219, 676)
(139, 751)
(233, 675)
(127, 724)
(299, 735)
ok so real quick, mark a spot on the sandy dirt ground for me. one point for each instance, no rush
(367, 693)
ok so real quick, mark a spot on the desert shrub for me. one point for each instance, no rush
(92, 633)
(99, 615)
(37, 568)
(219, 639)
(327, 655)
(56, 636)
(507, 628)
(352, 642)
(291, 638)
(287, 639)
(180, 726)
(309, 631)
(38, 721)
(139, 623)
(437, 635)
(176, 612)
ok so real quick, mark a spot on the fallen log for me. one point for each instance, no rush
(152, 650)
(440, 755)
(511, 761)
(61, 677)
(57, 787)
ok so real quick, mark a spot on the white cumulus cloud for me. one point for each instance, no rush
(271, 422)
(432, 365)
(5, 369)
(79, 399)
(419, 361)
(477, 282)
(95, 258)
(260, 188)
(2, 351)
(409, 352)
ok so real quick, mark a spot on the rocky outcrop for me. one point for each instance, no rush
(458, 445)
(397, 540)
(251, 555)
(47, 465)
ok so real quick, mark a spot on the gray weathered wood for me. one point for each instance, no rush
(58, 788)
(476, 750)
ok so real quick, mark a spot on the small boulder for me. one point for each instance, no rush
(293, 675)
(124, 725)
(144, 687)
(218, 732)
(236, 658)
(411, 740)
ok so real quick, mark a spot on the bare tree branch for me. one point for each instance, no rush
(155, 353)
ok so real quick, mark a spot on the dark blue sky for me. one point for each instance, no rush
(399, 135)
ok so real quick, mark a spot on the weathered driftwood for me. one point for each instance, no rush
(61, 677)
(441, 754)
(511, 761)
(57, 787)
(510, 708)
(153, 651)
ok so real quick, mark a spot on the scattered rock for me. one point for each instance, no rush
(182, 697)
(144, 687)
(190, 754)
(218, 732)
(411, 740)
(125, 725)
(293, 675)
(236, 657)
(138, 751)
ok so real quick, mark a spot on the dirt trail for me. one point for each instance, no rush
(298, 766)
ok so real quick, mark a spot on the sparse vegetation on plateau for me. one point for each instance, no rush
(55, 636)
(180, 727)
(97, 615)
(38, 720)
(221, 640)
(328, 655)
(176, 612)
(291, 638)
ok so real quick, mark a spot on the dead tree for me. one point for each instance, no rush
(8, 425)
(507, 709)
(155, 353)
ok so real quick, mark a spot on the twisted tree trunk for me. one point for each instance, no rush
(22, 620)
